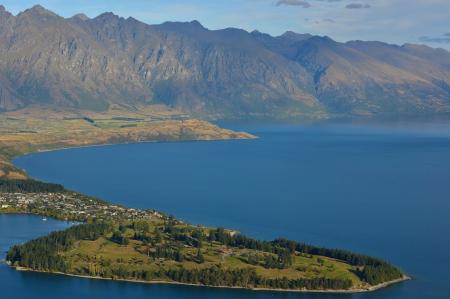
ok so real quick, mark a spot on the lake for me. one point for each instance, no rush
(379, 189)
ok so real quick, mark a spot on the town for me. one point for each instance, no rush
(71, 206)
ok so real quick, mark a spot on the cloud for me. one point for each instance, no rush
(301, 3)
(357, 6)
(444, 39)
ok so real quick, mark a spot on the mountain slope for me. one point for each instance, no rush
(84, 63)
(371, 76)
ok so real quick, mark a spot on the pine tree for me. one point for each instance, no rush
(200, 257)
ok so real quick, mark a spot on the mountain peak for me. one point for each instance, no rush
(325, 40)
(38, 12)
(81, 16)
(192, 26)
(295, 36)
(289, 34)
(259, 33)
(38, 9)
(131, 19)
(4, 13)
(107, 16)
(196, 23)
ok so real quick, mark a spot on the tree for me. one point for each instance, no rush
(253, 259)
(147, 247)
(119, 238)
(158, 237)
(122, 228)
(179, 257)
(285, 259)
(141, 226)
(200, 258)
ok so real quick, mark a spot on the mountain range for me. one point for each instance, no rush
(96, 63)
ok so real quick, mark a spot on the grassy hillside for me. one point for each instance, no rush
(38, 129)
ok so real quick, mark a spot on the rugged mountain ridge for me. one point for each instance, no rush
(85, 63)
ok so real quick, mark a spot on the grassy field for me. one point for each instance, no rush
(38, 129)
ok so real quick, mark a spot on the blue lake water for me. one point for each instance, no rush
(383, 190)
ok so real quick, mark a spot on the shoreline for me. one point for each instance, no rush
(130, 142)
(162, 282)
(11, 160)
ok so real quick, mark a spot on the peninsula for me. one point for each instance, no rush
(121, 243)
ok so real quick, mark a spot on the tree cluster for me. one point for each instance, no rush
(28, 186)
(42, 253)
(216, 276)
(374, 271)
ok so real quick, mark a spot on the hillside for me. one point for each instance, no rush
(92, 64)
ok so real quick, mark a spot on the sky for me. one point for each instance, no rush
(392, 21)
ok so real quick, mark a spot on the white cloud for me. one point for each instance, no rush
(357, 6)
(301, 3)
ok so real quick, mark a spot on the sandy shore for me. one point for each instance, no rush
(349, 291)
